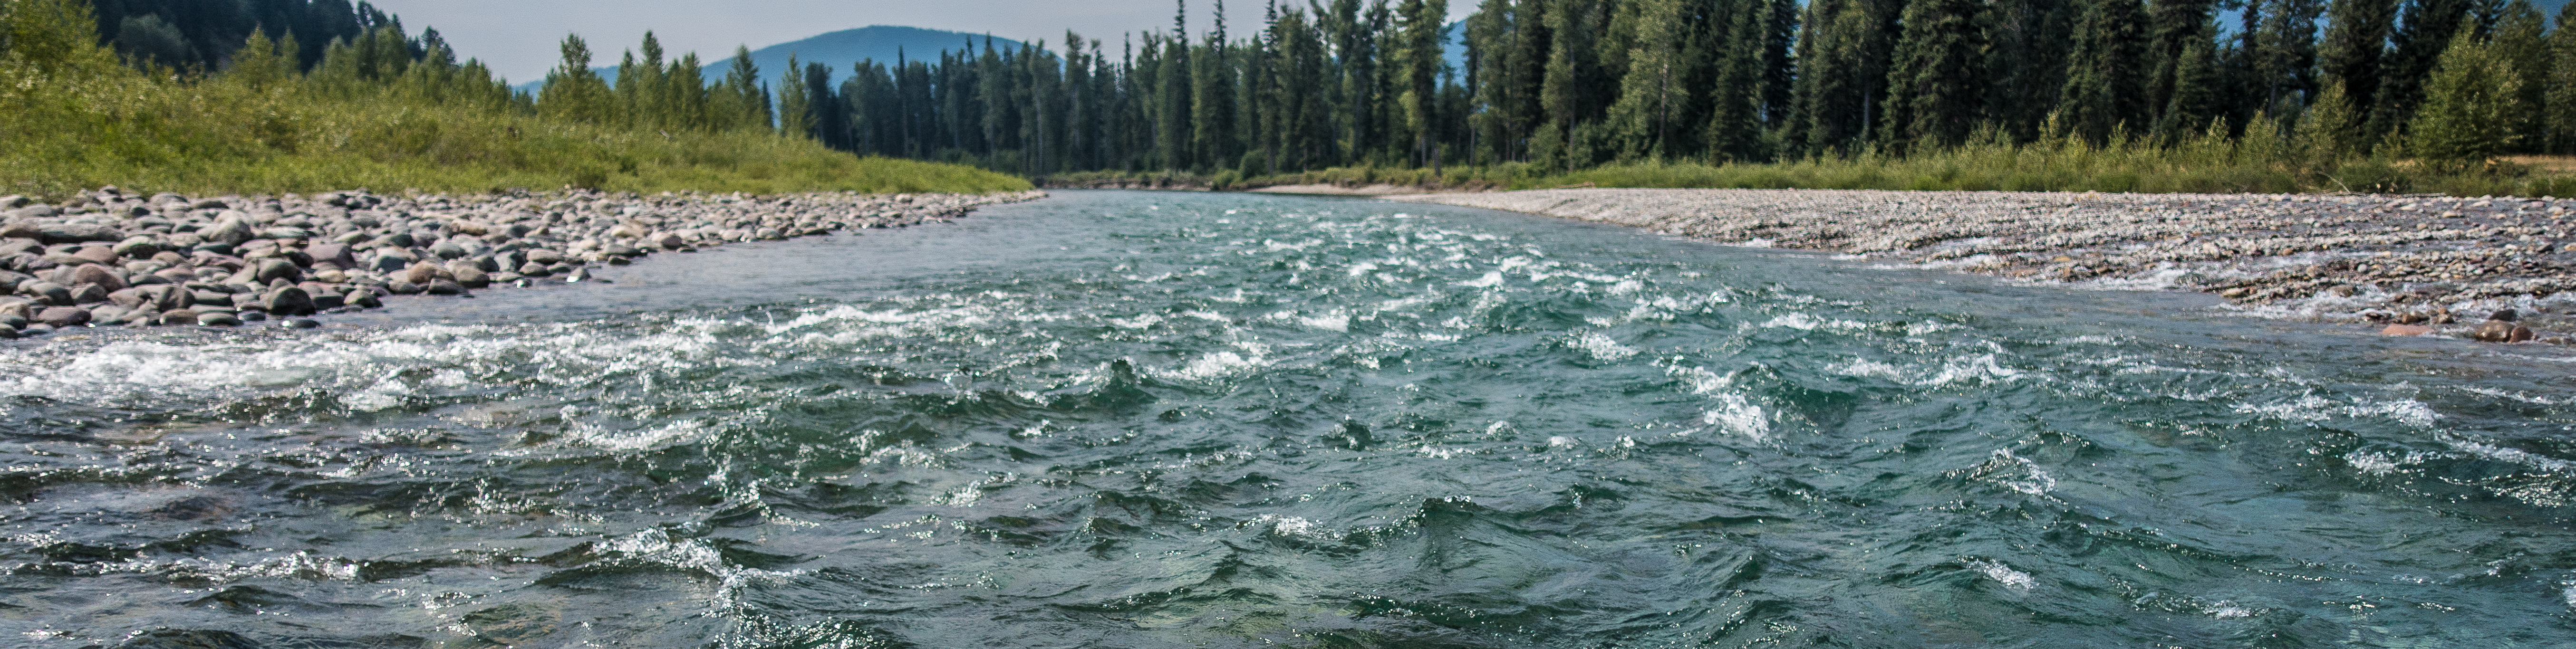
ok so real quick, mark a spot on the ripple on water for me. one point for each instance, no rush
(1235, 420)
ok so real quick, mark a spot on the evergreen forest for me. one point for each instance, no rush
(2259, 95)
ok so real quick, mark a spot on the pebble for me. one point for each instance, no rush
(111, 257)
(2337, 257)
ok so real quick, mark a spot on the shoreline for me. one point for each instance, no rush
(105, 257)
(2442, 262)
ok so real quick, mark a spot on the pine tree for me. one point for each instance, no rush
(2470, 105)
(2032, 40)
(572, 91)
(1842, 77)
(260, 63)
(1933, 99)
(2559, 111)
(2195, 99)
(2355, 54)
(1418, 59)
(1641, 120)
(2105, 91)
(795, 101)
(2520, 38)
(2285, 69)
(2414, 50)
(2174, 26)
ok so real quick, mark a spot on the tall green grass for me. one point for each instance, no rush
(82, 119)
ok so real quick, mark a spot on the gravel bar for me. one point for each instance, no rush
(2435, 264)
(105, 257)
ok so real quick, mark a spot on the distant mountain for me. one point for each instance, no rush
(837, 49)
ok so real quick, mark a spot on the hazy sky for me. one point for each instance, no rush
(518, 37)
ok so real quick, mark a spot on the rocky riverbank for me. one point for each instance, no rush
(107, 257)
(2439, 263)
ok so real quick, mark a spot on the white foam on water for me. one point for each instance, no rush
(1866, 367)
(2018, 581)
(2016, 473)
(1804, 322)
(1736, 414)
(2517, 396)
(1972, 368)
(1601, 346)
(1138, 322)
(1491, 279)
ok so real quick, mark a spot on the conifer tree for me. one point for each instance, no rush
(2355, 53)
(2105, 89)
(1842, 73)
(795, 103)
(1418, 58)
(2414, 49)
(2195, 100)
(2520, 39)
(2285, 68)
(573, 92)
(2470, 105)
(260, 63)
(1933, 99)
(2031, 42)
(2559, 111)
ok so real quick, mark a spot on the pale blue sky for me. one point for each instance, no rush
(517, 37)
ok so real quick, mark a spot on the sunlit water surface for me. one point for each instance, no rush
(1115, 419)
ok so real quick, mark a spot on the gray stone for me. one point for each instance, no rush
(468, 274)
(48, 292)
(138, 247)
(534, 269)
(63, 316)
(218, 319)
(233, 229)
(299, 323)
(88, 294)
(272, 269)
(81, 232)
(179, 317)
(443, 287)
(362, 298)
(399, 287)
(97, 274)
(22, 229)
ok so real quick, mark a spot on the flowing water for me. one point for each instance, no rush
(1114, 419)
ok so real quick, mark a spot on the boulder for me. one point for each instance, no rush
(2405, 330)
(47, 292)
(288, 300)
(88, 294)
(423, 273)
(443, 287)
(399, 287)
(81, 233)
(179, 317)
(63, 316)
(468, 274)
(97, 274)
(217, 319)
(534, 269)
(231, 228)
(128, 298)
(108, 314)
(138, 247)
(28, 230)
(101, 255)
(331, 253)
(272, 269)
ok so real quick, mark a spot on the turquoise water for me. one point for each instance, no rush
(1114, 419)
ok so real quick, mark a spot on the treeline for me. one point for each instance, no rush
(1571, 84)
(203, 35)
(386, 109)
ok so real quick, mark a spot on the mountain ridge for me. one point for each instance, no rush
(838, 49)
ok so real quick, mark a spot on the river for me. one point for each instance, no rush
(1131, 419)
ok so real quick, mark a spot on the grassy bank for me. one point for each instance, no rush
(74, 117)
(2259, 163)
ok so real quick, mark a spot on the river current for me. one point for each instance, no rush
(1122, 419)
